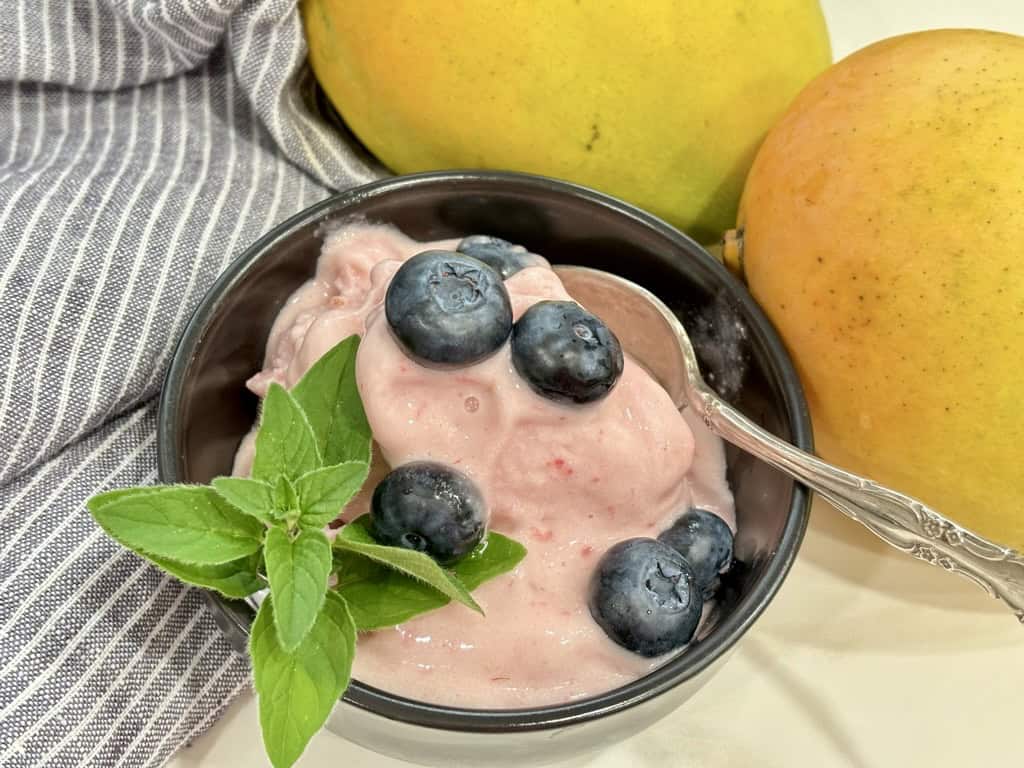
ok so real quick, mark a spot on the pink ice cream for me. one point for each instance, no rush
(567, 481)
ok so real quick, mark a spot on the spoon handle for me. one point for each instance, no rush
(902, 521)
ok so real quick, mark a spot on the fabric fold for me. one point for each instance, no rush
(143, 145)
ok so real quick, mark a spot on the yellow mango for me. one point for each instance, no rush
(882, 233)
(660, 102)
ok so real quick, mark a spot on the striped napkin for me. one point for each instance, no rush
(143, 145)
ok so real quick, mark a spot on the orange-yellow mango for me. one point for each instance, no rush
(660, 102)
(884, 235)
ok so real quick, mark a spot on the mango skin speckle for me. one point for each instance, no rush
(660, 102)
(883, 219)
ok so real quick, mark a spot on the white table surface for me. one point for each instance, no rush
(866, 659)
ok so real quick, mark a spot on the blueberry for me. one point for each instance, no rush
(505, 257)
(705, 541)
(448, 308)
(645, 597)
(566, 353)
(428, 507)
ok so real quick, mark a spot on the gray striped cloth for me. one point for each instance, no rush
(143, 145)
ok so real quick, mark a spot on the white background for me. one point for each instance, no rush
(866, 659)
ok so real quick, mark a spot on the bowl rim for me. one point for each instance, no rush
(674, 672)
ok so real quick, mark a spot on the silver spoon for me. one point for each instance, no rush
(652, 333)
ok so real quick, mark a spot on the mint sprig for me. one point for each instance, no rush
(187, 524)
(322, 492)
(239, 536)
(297, 568)
(236, 578)
(355, 538)
(380, 596)
(254, 497)
(285, 444)
(297, 689)
(330, 399)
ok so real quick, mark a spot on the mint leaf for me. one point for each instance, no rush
(285, 497)
(323, 492)
(285, 444)
(330, 398)
(379, 596)
(184, 523)
(237, 578)
(108, 497)
(298, 690)
(495, 555)
(297, 570)
(254, 497)
(355, 537)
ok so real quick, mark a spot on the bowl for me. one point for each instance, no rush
(205, 409)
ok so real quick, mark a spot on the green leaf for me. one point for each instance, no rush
(297, 570)
(285, 496)
(330, 398)
(285, 444)
(297, 690)
(495, 555)
(379, 596)
(355, 537)
(184, 523)
(254, 497)
(323, 492)
(108, 497)
(237, 578)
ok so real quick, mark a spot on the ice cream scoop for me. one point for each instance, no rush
(568, 455)
(642, 321)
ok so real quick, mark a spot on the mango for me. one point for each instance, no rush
(660, 102)
(882, 227)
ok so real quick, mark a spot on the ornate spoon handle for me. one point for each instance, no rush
(648, 328)
(900, 520)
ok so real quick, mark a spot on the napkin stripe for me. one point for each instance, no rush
(57, 699)
(95, 166)
(57, 617)
(84, 679)
(170, 611)
(10, 582)
(184, 214)
(15, 200)
(41, 509)
(209, 228)
(208, 698)
(101, 386)
(178, 688)
(28, 658)
(10, 96)
(145, 144)
(215, 30)
(64, 398)
(32, 229)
